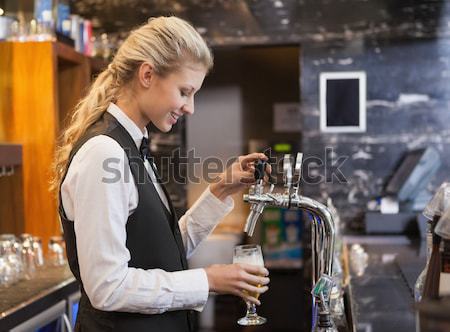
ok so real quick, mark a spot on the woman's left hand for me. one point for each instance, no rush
(238, 176)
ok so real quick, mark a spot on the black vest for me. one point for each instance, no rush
(153, 239)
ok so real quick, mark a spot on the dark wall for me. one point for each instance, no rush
(265, 76)
(271, 75)
(398, 72)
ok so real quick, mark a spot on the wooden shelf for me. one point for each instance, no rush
(10, 154)
(67, 54)
(52, 77)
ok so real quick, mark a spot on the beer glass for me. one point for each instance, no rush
(250, 254)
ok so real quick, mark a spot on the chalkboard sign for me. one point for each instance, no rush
(343, 102)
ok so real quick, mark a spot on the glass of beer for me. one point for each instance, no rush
(250, 254)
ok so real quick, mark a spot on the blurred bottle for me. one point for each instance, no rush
(435, 209)
(443, 226)
(44, 21)
(444, 278)
(420, 283)
(81, 33)
(106, 47)
(76, 33)
(443, 230)
(43, 11)
(431, 283)
(63, 23)
(88, 45)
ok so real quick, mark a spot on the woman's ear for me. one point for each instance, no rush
(145, 74)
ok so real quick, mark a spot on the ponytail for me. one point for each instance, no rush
(87, 111)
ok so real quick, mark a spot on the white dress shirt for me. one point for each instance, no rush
(100, 210)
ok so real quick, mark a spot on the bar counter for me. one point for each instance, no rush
(27, 298)
(382, 296)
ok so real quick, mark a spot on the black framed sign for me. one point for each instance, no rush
(343, 102)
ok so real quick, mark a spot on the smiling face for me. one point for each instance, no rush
(165, 99)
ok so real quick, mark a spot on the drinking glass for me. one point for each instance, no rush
(7, 272)
(250, 254)
(12, 253)
(28, 256)
(56, 251)
(38, 252)
(15, 242)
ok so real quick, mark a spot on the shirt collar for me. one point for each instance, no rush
(130, 126)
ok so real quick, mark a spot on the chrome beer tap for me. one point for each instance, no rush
(257, 190)
(322, 229)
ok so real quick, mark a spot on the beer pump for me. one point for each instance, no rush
(322, 231)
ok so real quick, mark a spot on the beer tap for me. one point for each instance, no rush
(258, 190)
(322, 229)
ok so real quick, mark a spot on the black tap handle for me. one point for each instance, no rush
(260, 171)
(260, 167)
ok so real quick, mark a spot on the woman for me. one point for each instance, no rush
(124, 243)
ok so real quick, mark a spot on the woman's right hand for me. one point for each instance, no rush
(235, 278)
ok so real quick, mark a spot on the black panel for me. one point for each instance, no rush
(342, 102)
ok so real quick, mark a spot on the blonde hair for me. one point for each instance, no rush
(167, 43)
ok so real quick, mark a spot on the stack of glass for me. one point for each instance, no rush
(21, 257)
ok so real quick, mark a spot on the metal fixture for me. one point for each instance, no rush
(322, 231)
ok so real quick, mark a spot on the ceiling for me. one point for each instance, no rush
(260, 21)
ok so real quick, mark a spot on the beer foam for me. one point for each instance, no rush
(249, 259)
